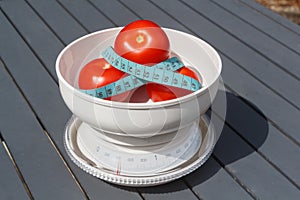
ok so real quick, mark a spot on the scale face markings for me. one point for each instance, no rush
(123, 162)
(138, 75)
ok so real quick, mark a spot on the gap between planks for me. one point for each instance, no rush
(254, 7)
(66, 164)
(238, 181)
(29, 46)
(16, 167)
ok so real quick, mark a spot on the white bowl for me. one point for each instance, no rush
(138, 119)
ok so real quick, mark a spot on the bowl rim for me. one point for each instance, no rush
(146, 105)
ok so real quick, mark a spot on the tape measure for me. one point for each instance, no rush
(138, 75)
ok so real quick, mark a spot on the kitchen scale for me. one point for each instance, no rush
(140, 144)
(135, 161)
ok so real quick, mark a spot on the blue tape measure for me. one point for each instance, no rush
(138, 75)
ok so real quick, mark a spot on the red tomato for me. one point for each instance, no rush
(142, 42)
(139, 95)
(158, 92)
(98, 73)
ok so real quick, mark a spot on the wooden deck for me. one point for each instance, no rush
(257, 156)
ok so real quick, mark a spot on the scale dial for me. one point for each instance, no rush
(154, 164)
(139, 161)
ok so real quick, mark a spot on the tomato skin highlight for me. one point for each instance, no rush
(158, 92)
(98, 73)
(143, 42)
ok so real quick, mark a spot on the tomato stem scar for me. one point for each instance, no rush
(139, 39)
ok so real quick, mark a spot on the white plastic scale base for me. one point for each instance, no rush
(129, 161)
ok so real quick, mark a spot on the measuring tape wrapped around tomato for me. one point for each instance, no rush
(140, 57)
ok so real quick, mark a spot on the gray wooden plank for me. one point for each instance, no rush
(87, 15)
(263, 23)
(273, 15)
(261, 179)
(254, 63)
(276, 109)
(145, 10)
(49, 106)
(123, 17)
(58, 19)
(34, 32)
(149, 11)
(283, 154)
(252, 37)
(264, 137)
(11, 186)
(174, 190)
(211, 181)
(285, 115)
(43, 170)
